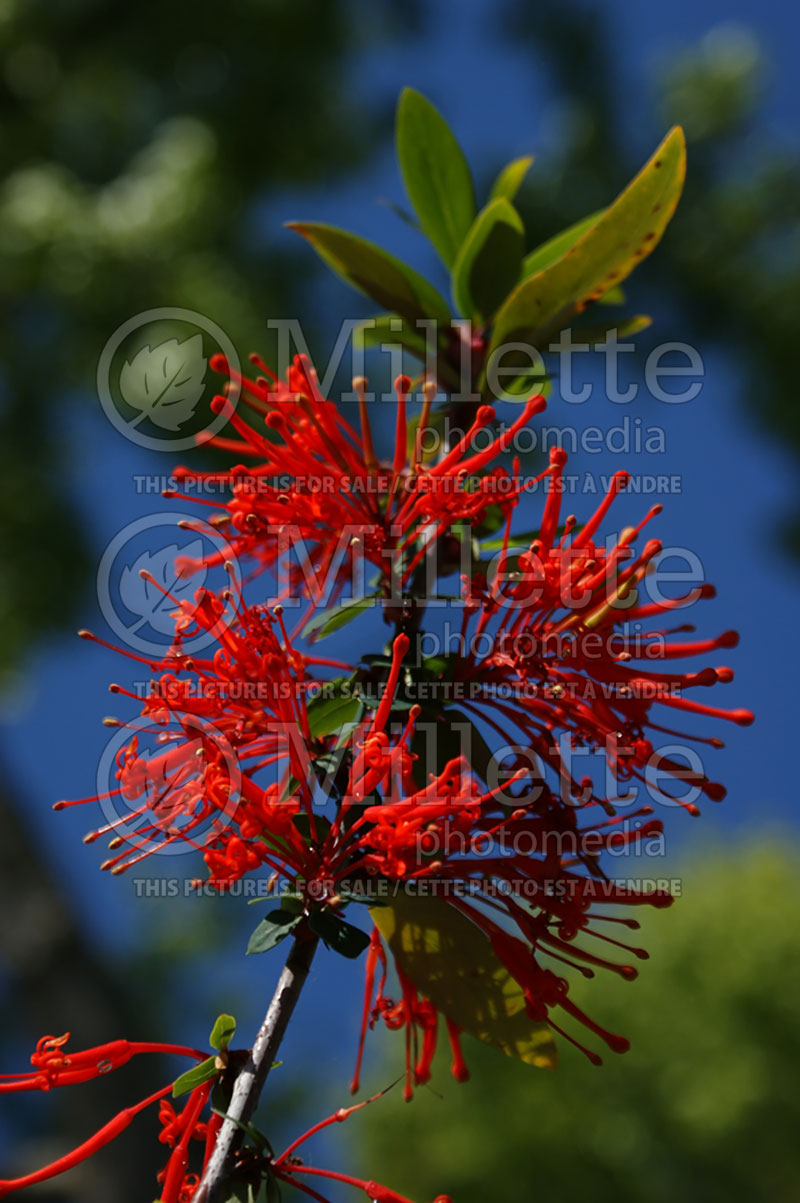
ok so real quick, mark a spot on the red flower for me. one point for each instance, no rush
(550, 651)
(555, 637)
(180, 1126)
(288, 1165)
(219, 721)
(534, 867)
(55, 1067)
(570, 645)
(318, 481)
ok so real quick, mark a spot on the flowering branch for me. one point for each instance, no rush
(480, 864)
(250, 1080)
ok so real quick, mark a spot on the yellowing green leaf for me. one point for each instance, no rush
(508, 182)
(452, 963)
(557, 246)
(601, 257)
(624, 328)
(614, 296)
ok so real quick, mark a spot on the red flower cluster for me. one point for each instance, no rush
(180, 1126)
(218, 721)
(317, 483)
(548, 651)
(561, 650)
(53, 1067)
(568, 644)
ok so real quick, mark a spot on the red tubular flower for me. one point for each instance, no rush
(181, 1126)
(339, 500)
(220, 721)
(572, 645)
(55, 1067)
(553, 894)
(288, 1165)
(552, 652)
(556, 650)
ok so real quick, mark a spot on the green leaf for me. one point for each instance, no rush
(489, 262)
(328, 715)
(222, 1032)
(194, 1077)
(452, 963)
(436, 174)
(603, 256)
(270, 931)
(374, 271)
(387, 329)
(327, 621)
(390, 330)
(626, 328)
(341, 937)
(272, 1190)
(557, 246)
(321, 827)
(509, 180)
(614, 296)
(438, 665)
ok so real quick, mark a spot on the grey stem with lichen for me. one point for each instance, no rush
(250, 1080)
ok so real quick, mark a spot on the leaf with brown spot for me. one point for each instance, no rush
(603, 255)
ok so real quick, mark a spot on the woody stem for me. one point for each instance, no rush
(250, 1080)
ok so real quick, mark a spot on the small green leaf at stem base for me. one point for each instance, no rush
(222, 1032)
(194, 1077)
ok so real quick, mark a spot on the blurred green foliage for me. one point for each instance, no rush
(704, 1107)
(140, 144)
(729, 271)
